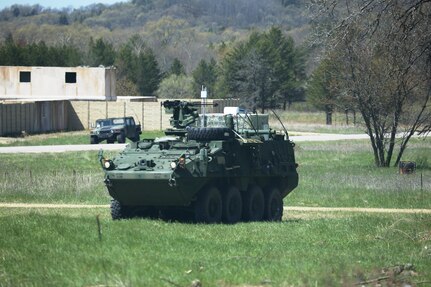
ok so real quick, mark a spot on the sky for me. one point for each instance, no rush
(56, 4)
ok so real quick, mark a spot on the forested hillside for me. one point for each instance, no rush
(189, 30)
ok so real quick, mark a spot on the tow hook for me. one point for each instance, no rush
(172, 182)
(108, 182)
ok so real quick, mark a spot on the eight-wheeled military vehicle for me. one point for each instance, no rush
(218, 167)
(115, 129)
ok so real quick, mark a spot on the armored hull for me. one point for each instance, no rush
(219, 174)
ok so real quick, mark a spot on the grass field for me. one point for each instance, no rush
(53, 247)
(63, 248)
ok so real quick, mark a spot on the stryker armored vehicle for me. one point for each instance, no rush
(216, 167)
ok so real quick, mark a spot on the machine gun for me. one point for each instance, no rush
(184, 114)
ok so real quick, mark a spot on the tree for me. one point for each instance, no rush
(148, 74)
(323, 91)
(176, 87)
(101, 53)
(205, 75)
(384, 56)
(261, 71)
(137, 64)
(177, 68)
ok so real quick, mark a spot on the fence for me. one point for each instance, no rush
(35, 117)
(50, 116)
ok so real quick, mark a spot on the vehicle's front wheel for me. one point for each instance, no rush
(119, 211)
(208, 206)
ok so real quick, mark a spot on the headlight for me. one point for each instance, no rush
(173, 165)
(108, 164)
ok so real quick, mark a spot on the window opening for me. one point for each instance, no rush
(24, 77)
(70, 77)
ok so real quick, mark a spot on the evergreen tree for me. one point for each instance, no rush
(101, 53)
(263, 70)
(205, 75)
(148, 73)
(177, 68)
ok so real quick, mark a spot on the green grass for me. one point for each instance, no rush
(74, 177)
(53, 247)
(315, 122)
(342, 174)
(333, 174)
(62, 248)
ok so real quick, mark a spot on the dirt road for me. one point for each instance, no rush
(286, 208)
(305, 137)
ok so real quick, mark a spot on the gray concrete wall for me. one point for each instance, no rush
(48, 116)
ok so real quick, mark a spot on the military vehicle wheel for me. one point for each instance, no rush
(232, 206)
(94, 140)
(208, 134)
(136, 138)
(253, 204)
(121, 138)
(208, 208)
(273, 205)
(118, 211)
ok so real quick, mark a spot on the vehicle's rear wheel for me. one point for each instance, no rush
(253, 204)
(232, 205)
(94, 140)
(119, 211)
(208, 206)
(121, 138)
(136, 138)
(273, 205)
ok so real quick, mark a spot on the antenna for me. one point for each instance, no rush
(204, 102)
(278, 118)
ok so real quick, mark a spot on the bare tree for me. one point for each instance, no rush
(384, 49)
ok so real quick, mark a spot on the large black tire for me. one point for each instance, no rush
(209, 134)
(121, 138)
(208, 206)
(94, 140)
(118, 211)
(136, 138)
(232, 206)
(110, 141)
(253, 204)
(273, 205)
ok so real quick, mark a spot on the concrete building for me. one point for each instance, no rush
(57, 83)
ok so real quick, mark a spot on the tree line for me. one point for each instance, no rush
(264, 70)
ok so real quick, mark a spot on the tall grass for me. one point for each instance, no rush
(343, 174)
(340, 173)
(74, 177)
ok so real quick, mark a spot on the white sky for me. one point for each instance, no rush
(56, 4)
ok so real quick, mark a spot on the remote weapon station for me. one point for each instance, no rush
(226, 167)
